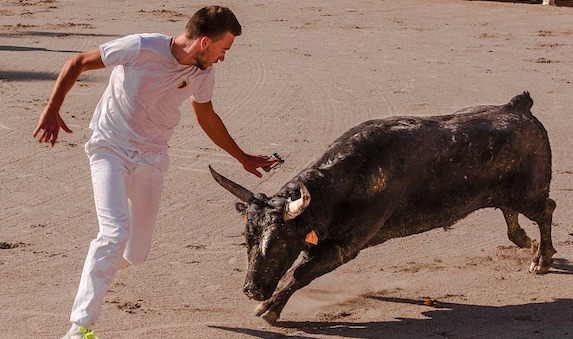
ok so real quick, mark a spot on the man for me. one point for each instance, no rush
(152, 76)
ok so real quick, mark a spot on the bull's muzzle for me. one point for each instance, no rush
(253, 293)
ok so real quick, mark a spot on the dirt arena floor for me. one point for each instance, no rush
(301, 74)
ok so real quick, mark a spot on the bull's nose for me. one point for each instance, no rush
(253, 293)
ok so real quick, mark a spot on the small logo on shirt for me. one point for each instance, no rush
(183, 82)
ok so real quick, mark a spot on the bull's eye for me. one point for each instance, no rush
(248, 244)
(267, 241)
(251, 235)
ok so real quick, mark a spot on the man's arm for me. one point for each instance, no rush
(50, 121)
(215, 129)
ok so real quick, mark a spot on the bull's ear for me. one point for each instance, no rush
(240, 207)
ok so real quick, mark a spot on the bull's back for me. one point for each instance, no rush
(476, 164)
(433, 171)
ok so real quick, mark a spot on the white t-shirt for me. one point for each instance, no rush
(140, 106)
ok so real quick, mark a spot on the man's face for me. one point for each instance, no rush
(213, 50)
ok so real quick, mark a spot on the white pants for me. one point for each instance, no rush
(127, 189)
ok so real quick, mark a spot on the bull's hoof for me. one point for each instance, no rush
(540, 267)
(264, 311)
(535, 268)
(262, 308)
(270, 317)
(542, 260)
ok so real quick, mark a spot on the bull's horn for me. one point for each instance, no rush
(238, 190)
(295, 208)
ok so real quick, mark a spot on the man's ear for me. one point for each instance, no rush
(205, 41)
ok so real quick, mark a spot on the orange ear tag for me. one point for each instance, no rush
(244, 218)
(311, 238)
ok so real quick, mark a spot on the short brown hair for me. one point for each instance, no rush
(213, 22)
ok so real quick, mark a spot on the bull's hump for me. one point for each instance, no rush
(405, 124)
(521, 103)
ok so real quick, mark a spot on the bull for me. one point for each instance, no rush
(395, 177)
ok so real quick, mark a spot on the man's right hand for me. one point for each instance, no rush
(50, 121)
(49, 126)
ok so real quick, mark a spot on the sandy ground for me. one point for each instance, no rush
(302, 73)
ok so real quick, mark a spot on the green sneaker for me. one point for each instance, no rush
(82, 333)
(88, 334)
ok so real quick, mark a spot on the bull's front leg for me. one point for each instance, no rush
(327, 257)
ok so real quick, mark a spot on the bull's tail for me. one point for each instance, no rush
(521, 104)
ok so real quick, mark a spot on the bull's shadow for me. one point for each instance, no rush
(561, 266)
(447, 320)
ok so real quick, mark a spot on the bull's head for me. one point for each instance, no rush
(272, 237)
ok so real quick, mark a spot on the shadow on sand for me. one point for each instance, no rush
(558, 3)
(446, 320)
(20, 33)
(552, 319)
(25, 76)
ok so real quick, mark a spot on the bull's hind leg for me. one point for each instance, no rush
(543, 216)
(543, 258)
(515, 233)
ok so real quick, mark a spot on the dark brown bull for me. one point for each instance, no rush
(395, 177)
